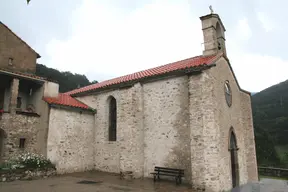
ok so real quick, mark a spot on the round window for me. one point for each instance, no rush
(228, 94)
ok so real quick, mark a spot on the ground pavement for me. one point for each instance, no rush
(104, 182)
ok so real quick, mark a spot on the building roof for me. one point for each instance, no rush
(38, 56)
(66, 100)
(189, 63)
(23, 75)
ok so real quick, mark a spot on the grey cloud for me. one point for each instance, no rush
(40, 21)
(44, 20)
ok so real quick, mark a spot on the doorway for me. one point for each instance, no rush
(234, 159)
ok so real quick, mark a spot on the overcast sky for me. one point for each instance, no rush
(108, 38)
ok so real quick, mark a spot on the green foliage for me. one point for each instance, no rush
(283, 153)
(11, 164)
(29, 161)
(94, 82)
(270, 116)
(67, 80)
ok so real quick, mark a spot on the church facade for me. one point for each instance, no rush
(190, 114)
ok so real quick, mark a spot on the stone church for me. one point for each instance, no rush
(190, 114)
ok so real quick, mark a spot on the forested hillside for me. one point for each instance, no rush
(67, 80)
(270, 116)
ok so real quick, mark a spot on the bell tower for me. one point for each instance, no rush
(213, 33)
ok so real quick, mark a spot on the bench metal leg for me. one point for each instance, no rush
(176, 179)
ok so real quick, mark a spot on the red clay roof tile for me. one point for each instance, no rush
(187, 63)
(66, 100)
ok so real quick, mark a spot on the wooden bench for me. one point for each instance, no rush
(176, 173)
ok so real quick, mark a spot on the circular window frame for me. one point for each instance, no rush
(228, 93)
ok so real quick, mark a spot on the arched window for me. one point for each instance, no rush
(218, 30)
(228, 93)
(112, 119)
(233, 142)
(219, 35)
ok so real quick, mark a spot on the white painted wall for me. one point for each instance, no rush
(51, 89)
(167, 138)
(70, 140)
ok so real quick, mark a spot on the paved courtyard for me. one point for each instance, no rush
(104, 182)
(111, 183)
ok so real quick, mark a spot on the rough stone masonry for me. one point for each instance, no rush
(173, 121)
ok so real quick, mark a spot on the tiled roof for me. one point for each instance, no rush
(179, 65)
(27, 75)
(66, 100)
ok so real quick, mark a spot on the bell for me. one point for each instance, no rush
(219, 46)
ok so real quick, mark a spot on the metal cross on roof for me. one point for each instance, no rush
(211, 9)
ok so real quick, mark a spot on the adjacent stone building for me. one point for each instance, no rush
(24, 114)
(189, 114)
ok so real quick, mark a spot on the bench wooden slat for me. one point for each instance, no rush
(174, 172)
(165, 168)
(165, 174)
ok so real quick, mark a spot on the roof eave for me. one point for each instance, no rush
(244, 91)
(68, 107)
(184, 71)
(21, 76)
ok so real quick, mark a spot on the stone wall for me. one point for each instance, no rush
(131, 132)
(107, 153)
(126, 153)
(166, 125)
(252, 167)
(18, 126)
(181, 122)
(210, 122)
(228, 117)
(33, 127)
(24, 58)
(225, 118)
(23, 174)
(205, 134)
(70, 140)
(152, 128)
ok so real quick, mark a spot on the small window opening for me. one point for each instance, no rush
(22, 143)
(10, 61)
(219, 46)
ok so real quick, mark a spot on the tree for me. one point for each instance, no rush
(94, 82)
(270, 117)
(67, 81)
